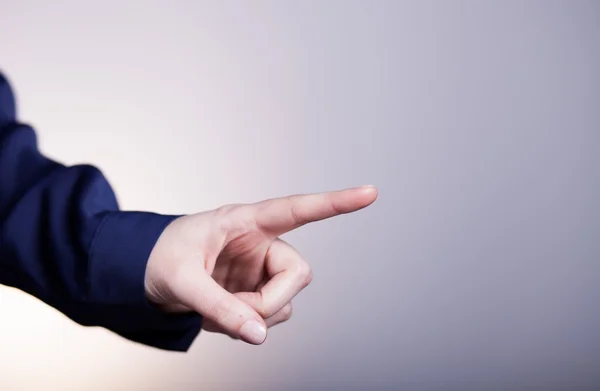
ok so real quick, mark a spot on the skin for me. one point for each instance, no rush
(230, 265)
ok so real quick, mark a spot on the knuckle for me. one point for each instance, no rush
(225, 210)
(308, 279)
(294, 210)
(233, 217)
(223, 217)
(259, 306)
(304, 273)
(266, 312)
(287, 312)
(331, 205)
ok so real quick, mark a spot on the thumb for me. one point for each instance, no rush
(203, 294)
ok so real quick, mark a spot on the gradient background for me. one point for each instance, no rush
(478, 267)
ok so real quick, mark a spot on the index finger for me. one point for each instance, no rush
(280, 215)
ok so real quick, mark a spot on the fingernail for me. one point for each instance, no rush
(253, 332)
(368, 187)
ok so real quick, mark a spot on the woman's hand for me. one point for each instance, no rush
(230, 266)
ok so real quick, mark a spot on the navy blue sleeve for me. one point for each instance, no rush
(64, 240)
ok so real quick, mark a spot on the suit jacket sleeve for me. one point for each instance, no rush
(64, 240)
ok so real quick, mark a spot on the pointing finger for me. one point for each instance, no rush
(280, 215)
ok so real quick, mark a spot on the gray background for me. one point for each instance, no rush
(478, 267)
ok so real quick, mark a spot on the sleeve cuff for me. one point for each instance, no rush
(118, 257)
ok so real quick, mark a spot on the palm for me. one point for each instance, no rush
(240, 266)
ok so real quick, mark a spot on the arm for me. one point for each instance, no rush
(64, 240)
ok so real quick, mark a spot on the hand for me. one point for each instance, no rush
(229, 265)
